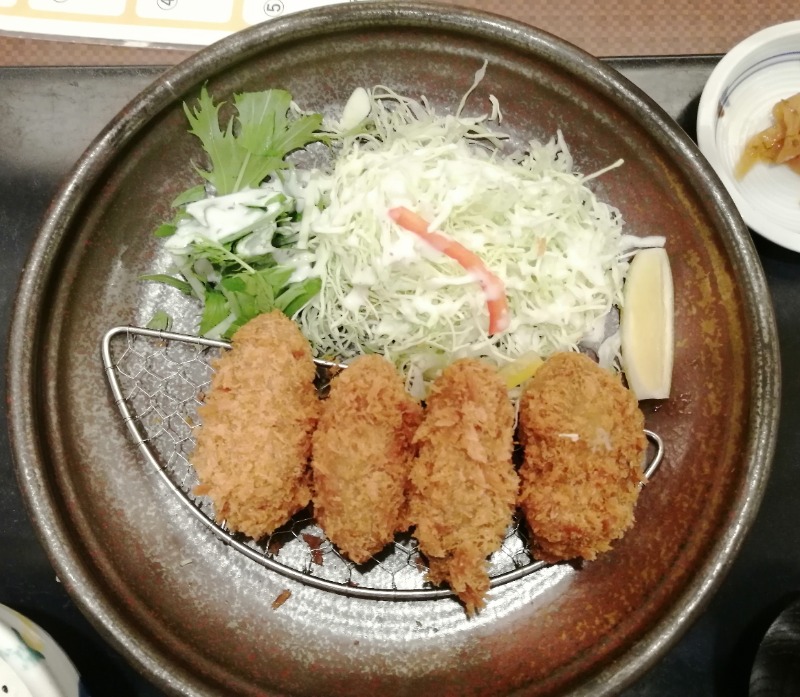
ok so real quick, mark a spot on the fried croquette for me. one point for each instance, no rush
(463, 485)
(254, 444)
(582, 431)
(361, 457)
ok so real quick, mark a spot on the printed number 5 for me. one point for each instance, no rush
(273, 8)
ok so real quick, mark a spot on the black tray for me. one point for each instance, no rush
(49, 115)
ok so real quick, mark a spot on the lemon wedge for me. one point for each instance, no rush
(647, 325)
(520, 369)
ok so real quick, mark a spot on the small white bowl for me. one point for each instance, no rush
(736, 104)
(32, 664)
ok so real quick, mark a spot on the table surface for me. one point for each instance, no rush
(51, 114)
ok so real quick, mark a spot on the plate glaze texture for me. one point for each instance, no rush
(194, 615)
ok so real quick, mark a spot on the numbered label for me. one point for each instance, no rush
(186, 10)
(256, 11)
(103, 8)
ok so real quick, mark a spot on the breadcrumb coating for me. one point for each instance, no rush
(582, 431)
(361, 457)
(463, 484)
(253, 447)
(382, 464)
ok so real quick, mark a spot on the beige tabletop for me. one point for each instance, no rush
(602, 27)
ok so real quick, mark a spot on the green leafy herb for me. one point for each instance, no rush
(190, 196)
(229, 266)
(165, 230)
(255, 142)
(215, 311)
(182, 286)
(251, 294)
(297, 295)
(160, 321)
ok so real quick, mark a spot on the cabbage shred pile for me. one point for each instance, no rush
(369, 286)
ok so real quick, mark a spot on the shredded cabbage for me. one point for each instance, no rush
(529, 216)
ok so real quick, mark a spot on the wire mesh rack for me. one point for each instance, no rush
(158, 380)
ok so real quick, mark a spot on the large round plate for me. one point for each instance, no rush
(196, 616)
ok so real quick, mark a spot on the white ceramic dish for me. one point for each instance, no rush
(736, 103)
(32, 664)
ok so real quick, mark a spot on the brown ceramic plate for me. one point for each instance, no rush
(122, 544)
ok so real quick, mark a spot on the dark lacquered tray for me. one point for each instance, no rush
(50, 115)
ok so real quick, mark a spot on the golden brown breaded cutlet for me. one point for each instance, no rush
(361, 457)
(254, 443)
(582, 430)
(463, 484)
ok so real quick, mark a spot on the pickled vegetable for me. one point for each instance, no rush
(778, 143)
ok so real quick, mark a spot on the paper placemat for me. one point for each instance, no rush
(164, 22)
